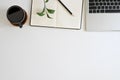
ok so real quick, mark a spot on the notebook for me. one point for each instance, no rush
(51, 13)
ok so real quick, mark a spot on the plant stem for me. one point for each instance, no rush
(44, 4)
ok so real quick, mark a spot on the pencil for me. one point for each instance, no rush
(65, 7)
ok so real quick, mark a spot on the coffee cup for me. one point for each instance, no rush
(16, 15)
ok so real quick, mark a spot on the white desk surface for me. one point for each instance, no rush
(33, 53)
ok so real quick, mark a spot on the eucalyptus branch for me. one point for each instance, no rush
(46, 11)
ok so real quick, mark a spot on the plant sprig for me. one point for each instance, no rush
(46, 11)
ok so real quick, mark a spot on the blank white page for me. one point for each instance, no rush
(65, 19)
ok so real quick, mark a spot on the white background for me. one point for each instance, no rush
(33, 53)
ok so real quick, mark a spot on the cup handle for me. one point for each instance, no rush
(20, 25)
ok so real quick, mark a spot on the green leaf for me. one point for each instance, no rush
(41, 14)
(49, 16)
(51, 11)
(46, 1)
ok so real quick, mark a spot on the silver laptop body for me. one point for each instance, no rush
(102, 21)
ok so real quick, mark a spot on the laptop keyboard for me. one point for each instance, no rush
(104, 6)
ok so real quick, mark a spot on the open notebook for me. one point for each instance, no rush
(51, 13)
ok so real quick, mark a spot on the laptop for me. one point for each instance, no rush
(102, 15)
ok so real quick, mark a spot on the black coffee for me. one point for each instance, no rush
(16, 15)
